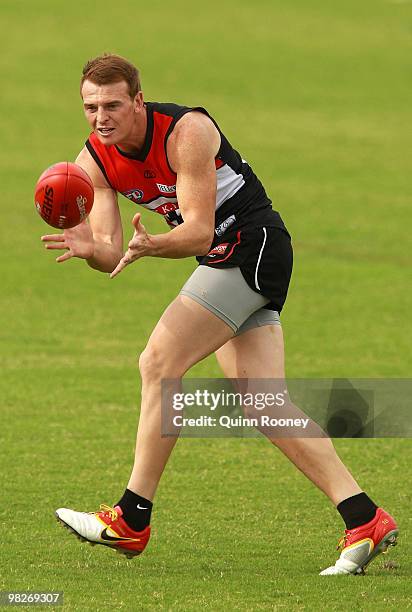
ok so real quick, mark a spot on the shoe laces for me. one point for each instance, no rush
(111, 512)
(342, 542)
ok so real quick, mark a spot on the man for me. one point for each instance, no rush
(175, 161)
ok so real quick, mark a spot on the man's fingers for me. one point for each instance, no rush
(64, 257)
(136, 220)
(122, 264)
(60, 244)
(138, 225)
(53, 238)
(56, 246)
(127, 259)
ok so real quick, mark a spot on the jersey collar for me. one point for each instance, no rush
(143, 153)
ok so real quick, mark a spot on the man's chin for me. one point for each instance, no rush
(107, 139)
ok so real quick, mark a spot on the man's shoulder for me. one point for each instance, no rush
(177, 111)
(171, 109)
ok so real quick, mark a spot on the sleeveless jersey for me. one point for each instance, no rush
(147, 179)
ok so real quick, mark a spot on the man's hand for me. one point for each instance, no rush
(78, 241)
(139, 246)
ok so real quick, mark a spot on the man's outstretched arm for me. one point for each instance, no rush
(98, 239)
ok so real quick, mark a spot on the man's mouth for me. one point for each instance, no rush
(105, 131)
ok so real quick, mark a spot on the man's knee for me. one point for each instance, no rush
(156, 363)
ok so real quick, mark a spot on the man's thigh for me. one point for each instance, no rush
(257, 353)
(186, 333)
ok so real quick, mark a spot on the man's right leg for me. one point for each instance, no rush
(186, 333)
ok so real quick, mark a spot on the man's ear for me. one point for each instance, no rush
(138, 102)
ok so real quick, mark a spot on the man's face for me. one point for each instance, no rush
(110, 110)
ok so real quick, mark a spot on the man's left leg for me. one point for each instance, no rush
(259, 353)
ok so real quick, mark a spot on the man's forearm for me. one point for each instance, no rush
(180, 242)
(105, 257)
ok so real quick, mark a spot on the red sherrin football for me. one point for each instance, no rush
(64, 195)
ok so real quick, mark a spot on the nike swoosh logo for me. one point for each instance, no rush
(105, 536)
(141, 508)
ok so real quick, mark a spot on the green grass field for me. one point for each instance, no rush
(316, 95)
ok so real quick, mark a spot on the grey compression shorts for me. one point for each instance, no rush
(225, 292)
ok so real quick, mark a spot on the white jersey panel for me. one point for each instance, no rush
(228, 183)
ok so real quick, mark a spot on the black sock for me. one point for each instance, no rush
(357, 510)
(136, 510)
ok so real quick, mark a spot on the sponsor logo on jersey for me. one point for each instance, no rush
(164, 209)
(149, 174)
(218, 250)
(220, 229)
(166, 188)
(135, 195)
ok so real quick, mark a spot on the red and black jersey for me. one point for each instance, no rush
(146, 178)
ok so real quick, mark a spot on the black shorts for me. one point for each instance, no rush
(264, 256)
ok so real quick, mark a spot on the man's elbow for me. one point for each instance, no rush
(205, 240)
(106, 256)
(103, 265)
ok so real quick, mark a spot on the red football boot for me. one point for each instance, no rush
(362, 544)
(106, 527)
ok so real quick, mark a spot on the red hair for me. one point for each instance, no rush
(110, 68)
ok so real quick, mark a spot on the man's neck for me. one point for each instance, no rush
(135, 142)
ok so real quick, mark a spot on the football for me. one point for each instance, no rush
(64, 195)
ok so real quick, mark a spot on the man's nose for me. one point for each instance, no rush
(102, 115)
